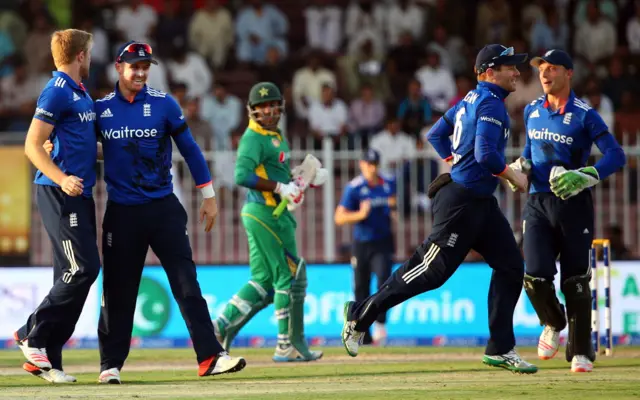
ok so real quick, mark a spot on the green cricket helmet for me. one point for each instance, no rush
(263, 94)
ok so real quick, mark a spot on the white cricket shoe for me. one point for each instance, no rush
(111, 375)
(223, 363)
(351, 338)
(548, 343)
(581, 364)
(35, 356)
(379, 335)
(53, 375)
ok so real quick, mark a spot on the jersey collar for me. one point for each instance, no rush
(141, 95)
(562, 109)
(501, 92)
(70, 81)
(254, 126)
(378, 182)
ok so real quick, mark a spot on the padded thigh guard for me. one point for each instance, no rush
(542, 294)
(298, 292)
(578, 298)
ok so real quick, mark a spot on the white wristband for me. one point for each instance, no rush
(208, 192)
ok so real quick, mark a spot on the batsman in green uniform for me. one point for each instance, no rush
(278, 274)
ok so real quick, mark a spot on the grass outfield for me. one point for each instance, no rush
(377, 373)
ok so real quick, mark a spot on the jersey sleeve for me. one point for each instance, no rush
(178, 129)
(595, 125)
(176, 123)
(249, 156)
(489, 130)
(349, 199)
(613, 157)
(439, 134)
(526, 152)
(51, 104)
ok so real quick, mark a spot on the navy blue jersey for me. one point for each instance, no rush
(479, 130)
(564, 138)
(377, 225)
(136, 139)
(69, 108)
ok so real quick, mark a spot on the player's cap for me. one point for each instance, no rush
(493, 55)
(132, 52)
(554, 57)
(371, 156)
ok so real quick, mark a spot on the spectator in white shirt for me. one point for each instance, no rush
(259, 26)
(190, 68)
(365, 20)
(366, 117)
(438, 84)
(211, 33)
(633, 31)
(328, 117)
(395, 146)
(404, 16)
(324, 26)
(307, 84)
(223, 111)
(595, 38)
(136, 21)
(600, 102)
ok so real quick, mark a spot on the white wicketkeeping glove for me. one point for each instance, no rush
(522, 165)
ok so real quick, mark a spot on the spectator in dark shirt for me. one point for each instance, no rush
(402, 63)
(414, 111)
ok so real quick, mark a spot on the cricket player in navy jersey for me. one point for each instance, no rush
(136, 125)
(64, 183)
(558, 216)
(369, 202)
(465, 213)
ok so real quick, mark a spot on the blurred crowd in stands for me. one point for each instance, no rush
(373, 72)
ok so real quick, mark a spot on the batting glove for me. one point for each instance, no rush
(292, 206)
(322, 175)
(568, 183)
(290, 191)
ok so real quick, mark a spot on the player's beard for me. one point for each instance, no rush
(135, 82)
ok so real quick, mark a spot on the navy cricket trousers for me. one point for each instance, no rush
(128, 232)
(70, 223)
(461, 221)
(373, 257)
(554, 227)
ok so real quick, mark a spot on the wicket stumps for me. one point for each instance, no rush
(595, 317)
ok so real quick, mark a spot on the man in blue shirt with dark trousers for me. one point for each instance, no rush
(64, 182)
(465, 214)
(369, 202)
(136, 125)
(558, 217)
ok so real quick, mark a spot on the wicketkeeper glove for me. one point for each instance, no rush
(568, 183)
(522, 165)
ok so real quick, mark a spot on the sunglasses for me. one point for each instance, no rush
(506, 52)
(136, 48)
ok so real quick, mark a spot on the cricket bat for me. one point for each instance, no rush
(307, 171)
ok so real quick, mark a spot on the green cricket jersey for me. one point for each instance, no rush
(264, 153)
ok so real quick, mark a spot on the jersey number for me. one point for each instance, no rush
(457, 134)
